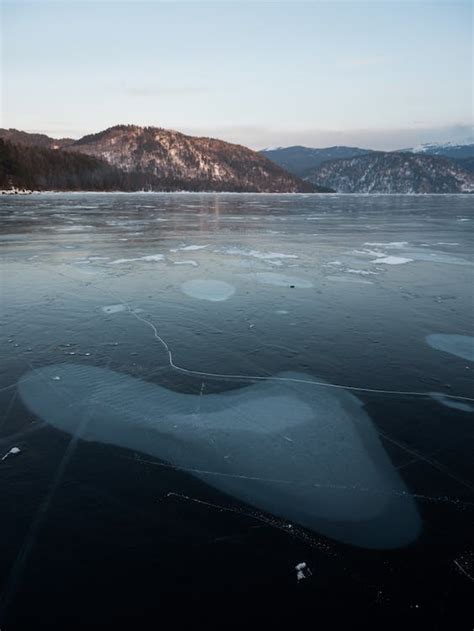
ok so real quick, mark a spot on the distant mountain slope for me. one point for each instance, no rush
(159, 159)
(300, 160)
(387, 172)
(448, 150)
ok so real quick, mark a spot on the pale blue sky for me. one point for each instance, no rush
(384, 74)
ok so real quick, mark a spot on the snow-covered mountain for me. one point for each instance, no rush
(394, 172)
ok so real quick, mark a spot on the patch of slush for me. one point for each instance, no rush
(190, 262)
(392, 260)
(149, 258)
(281, 280)
(304, 453)
(459, 345)
(451, 403)
(213, 290)
(114, 308)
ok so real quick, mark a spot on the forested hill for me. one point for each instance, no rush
(128, 157)
(37, 168)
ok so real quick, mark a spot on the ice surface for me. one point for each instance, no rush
(213, 290)
(281, 280)
(459, 345)
(304, 453)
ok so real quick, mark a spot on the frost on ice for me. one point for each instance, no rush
(302, 452)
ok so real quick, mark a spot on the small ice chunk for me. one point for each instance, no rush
(114, 308)
(459, 345)
(13, 451)
(56, 378)
(302, 571)
(213, 290)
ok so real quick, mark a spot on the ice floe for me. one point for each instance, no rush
(213, 290)
(304, 453)
(459, 345)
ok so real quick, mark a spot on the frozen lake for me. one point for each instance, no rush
(207, 390)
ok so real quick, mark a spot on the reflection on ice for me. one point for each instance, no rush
(296, 450)
(459, 345)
